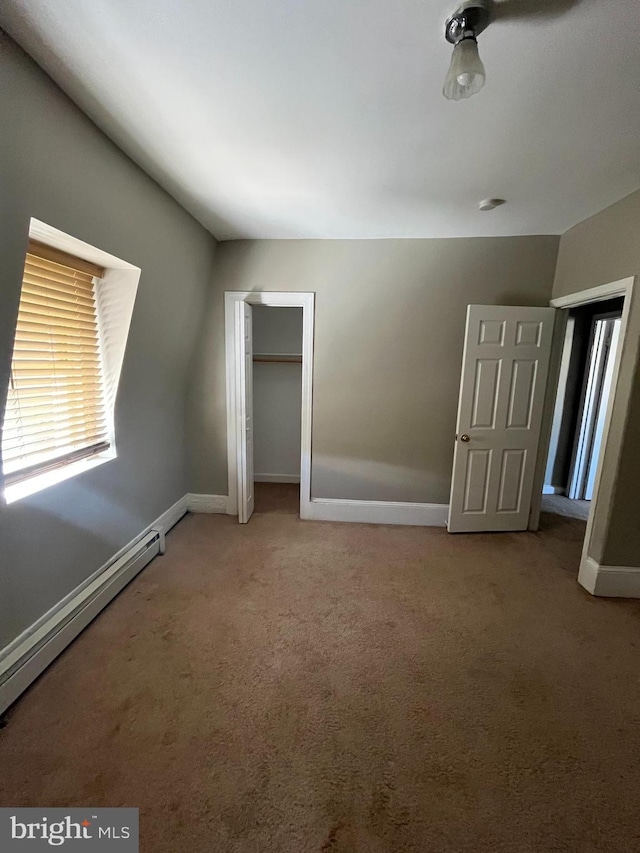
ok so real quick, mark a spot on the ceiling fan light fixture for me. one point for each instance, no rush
(466, 74)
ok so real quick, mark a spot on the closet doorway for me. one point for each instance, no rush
(269, 361)
(277, 403)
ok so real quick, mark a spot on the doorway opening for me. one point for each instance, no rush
(585, 385)
(269, 360)
(599, 430)
(277, 407)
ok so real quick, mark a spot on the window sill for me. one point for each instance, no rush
(39, 482)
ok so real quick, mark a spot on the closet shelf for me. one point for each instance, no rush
(283, 357)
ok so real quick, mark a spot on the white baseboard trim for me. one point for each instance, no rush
(163, 523)
(379, 512)
(207, 503)
(22, 661)
(553, 490)
(276, 478)
(609, 581)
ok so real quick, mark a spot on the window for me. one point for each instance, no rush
(56, 412)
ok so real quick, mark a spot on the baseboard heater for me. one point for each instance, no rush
(28, 655)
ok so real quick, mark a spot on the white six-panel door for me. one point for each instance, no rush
(244, 390)
(504, 376)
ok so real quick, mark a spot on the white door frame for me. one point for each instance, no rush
(613, 433)
(279, 299)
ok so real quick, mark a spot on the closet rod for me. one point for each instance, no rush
(282, 358)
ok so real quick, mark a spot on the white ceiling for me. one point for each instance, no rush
(324, 118)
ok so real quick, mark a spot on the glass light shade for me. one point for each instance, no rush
(466, 73)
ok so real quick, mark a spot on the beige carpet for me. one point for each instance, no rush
(560, 505)
(294, 686)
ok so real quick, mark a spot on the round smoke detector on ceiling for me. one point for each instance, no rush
(491, 203)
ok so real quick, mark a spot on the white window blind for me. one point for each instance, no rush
(55, 407)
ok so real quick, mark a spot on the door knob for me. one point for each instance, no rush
(464, 437)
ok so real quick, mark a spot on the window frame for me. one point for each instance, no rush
(115, 300)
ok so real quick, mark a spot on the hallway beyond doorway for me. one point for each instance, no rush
(560, 505)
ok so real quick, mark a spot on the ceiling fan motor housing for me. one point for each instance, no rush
(469, 20)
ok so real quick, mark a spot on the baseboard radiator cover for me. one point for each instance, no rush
(26, 657)
(609, 581)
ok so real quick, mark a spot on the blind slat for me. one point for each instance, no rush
(56, 316)
(72, 285)
(32, 420)
(44, 305)
(63, 287)
(52, 433)
(61, 386)
(46, 290)
(31, 442)
(54, 271)
(47, 254)
(61, 369)
(33, 413)
(52, 400)
(55, 407)
(34, 282)
(18, 446)
(24, 338)
(74, 295)
(43, 340)
(42, 349)
(78, 332)
(27, 358)
(52, 461)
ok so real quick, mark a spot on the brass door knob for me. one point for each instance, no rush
(464, 437)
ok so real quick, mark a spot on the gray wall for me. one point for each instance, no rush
(602, 249)
(390, 318)
(58, 167)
